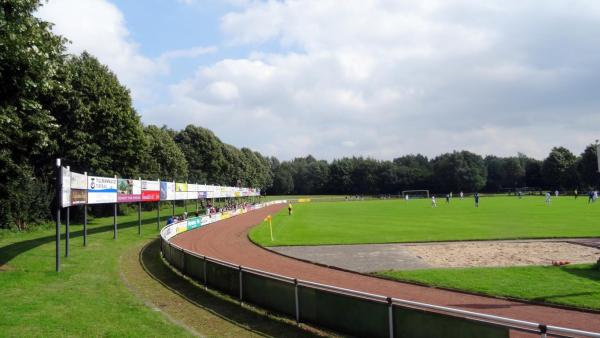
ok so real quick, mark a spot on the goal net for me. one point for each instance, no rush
(415, 194)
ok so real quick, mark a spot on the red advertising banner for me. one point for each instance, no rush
(150, 196)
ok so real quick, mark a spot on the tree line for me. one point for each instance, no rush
(450, 172)
(57, 105)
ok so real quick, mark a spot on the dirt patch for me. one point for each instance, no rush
(502, 253)
(5, 267)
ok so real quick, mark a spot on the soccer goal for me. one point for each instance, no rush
(415, 193)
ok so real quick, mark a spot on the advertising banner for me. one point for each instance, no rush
(102, 190)
(65, 196)
(78, 189)
(193, 223)
(129, 190)
(150, 191)
(202, 194)
(167, 191)
(192, 192)
(181, 191)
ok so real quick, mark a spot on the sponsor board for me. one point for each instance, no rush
(129, 190)
(181, 191)
(150, 191)
(194, 223)
(78, 189)
(102, 190)
(167, 191)
(65, 196)
(78, 196)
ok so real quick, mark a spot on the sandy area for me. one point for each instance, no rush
(499, 253)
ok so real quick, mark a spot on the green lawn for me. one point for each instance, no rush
(88, 297)
(385, 221)
(575, 285)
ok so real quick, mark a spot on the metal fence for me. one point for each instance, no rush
(347, 311)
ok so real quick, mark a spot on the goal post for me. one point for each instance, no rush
(415, 193)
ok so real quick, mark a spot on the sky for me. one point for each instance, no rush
(379, 79)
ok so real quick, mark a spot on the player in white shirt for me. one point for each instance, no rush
(433, 204)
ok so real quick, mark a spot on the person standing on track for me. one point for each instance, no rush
(290, 209)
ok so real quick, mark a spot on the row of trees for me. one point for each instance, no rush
(456, 171)
(57, 105)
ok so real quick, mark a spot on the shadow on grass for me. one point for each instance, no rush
(225, 309)
(9, 252)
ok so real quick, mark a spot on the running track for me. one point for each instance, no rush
(227, 240)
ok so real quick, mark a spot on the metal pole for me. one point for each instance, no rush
(241, 286)
(115, 221)
(391, 316)
(205, 280)
(297, 301)
(67, 222)
(85, 218)
(158, 215)
(85, 225)
(58, 203)
(139, 218)
(115, 218)
(173, 208)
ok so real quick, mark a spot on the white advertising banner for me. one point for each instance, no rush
(102, 190)
(65, 196)
(78, 181)
(167, 191)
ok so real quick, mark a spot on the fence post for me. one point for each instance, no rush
(297, 301)
(241, 285)
(390, 316)
(543, 329)
(115, 219)
(205, 280)
(158, 215)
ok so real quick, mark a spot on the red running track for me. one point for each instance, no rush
(227, 240)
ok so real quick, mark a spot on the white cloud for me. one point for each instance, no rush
(98, 26)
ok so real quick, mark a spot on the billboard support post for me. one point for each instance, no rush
(174, 198)
(85, 225)
(85, 217)
(140, 213)
(158, 215)
(58, 205)
(115, 218)
(67, 223)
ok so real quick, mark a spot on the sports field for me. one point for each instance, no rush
(386, 221)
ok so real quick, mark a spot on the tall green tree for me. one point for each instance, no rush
(587, 168)
(204, 154)
(459, 171)
(559, 169)
(30, 57)
(99, 131)
(163, 158)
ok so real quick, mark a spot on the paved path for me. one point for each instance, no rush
(227, 240)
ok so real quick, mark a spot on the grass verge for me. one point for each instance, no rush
(575, 286)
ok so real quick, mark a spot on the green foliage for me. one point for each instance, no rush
(587, 168)
(30, 56)
(163, 158)
(459, 171)
(559, 169)
(99, 132)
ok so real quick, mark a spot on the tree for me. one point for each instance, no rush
(99, 131)
(558, 169)
(459, 171)
(587, 168)
(204, 154)
(30, 56)
(163, 158)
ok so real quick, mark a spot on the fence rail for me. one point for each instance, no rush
(345, 310)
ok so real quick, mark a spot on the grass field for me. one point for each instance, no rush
(576, 285)
(386, 221)
(94, 295)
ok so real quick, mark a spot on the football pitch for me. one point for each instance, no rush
(388, 221)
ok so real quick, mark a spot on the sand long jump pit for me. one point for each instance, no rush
(409, 256)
